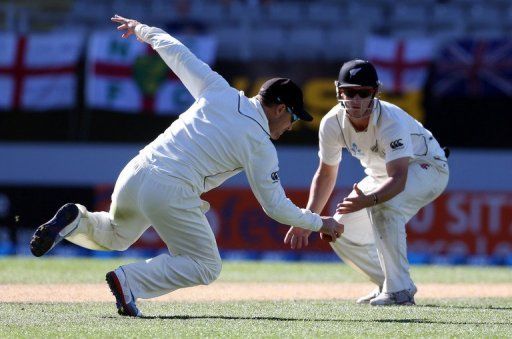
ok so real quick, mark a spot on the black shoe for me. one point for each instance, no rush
(48, 235)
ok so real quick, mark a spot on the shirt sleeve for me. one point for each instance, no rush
(330, 140)
(262, 170)
(396, 140)
(196, 75)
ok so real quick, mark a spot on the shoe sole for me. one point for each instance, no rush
(50, 234)
(115, 287)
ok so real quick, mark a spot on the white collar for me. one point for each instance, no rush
(376, 112)
(261, 113)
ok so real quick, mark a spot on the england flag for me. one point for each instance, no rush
(39, 71)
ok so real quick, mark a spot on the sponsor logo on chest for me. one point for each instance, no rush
(274, 176)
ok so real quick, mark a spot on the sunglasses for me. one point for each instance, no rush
(294, 117)
(363, 93)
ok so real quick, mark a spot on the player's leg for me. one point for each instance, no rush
(389, 228)
(424, 184)
(356, 246)
(364, 259)
(97, 230)
(123, 224)
(175, 212)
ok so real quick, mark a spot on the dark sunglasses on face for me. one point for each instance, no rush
(294, 117)
(351, 93)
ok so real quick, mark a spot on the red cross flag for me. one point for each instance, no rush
(402, 64)
(128, 76)
(38, 72)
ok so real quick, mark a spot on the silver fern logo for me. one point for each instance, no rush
(356, 151)
(354, 71)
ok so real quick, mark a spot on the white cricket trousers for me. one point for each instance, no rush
(142, 197)
(374, 241)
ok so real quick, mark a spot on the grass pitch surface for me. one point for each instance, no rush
(469, 317)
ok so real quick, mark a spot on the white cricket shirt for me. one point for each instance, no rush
(391, 134)
(220, 135)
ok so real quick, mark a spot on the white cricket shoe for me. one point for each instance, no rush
(373, 294)
(403, 297)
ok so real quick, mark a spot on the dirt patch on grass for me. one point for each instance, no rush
(244, 291)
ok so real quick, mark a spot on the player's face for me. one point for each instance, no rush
(358, 101)
(281, 121)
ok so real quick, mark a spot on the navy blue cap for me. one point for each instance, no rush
(358, 72)
(285, 91)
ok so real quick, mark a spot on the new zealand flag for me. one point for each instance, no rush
(474, 68)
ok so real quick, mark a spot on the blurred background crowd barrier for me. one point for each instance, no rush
(77, 102)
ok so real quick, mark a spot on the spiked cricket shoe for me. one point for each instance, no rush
(403, 297)
(125, 301)
(366, 299)
(64, 222)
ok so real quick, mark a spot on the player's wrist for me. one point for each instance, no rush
(140, 30)
(371, 200)
(375, 199)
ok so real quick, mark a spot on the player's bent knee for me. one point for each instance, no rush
(121, 247)
(120, 244)
(211, 272)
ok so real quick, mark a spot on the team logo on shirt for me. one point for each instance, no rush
(396, 144)
(356, 151)
(375, 148)
(274, 176)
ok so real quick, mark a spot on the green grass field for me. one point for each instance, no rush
(471, 317)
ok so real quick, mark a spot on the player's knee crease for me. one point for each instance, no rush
(211, 271)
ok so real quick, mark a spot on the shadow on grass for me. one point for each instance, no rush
(413, 321)
(467, 307)
(426, 321)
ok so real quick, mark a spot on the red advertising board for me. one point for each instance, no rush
(458, 222)
(464, 222)
(240, 223)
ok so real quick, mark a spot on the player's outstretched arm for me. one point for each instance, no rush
(395, 183)
(196, 75)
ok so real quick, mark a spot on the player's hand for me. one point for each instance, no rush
(127, 25)
(297, 237)
(331, 229)
(356, 201)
